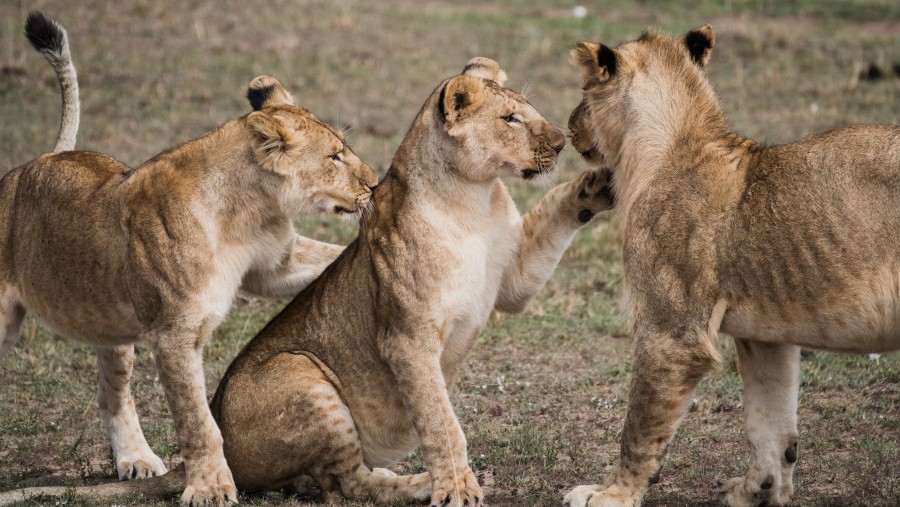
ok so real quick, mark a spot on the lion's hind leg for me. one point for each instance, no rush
(11, 314)
(771, 377)
(390, 487)
(284, 420)
(343, 470)
(134, 458)
(379, 484)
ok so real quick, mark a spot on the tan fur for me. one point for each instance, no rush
(780, 247)
(108, 255)
(354, 373)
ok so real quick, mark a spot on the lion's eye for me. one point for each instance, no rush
(337, 157)
(512, 118)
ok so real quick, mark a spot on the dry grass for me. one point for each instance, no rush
(544, 394)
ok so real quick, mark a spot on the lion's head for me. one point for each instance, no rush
(633, 86)
(317, 170)
(493, 131)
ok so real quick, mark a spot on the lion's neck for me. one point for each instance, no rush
(215, 170)
(671, 131)
(429, 178)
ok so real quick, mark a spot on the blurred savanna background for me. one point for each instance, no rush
(544, 394)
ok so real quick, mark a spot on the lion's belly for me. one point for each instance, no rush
(863, 318)
(94, 320)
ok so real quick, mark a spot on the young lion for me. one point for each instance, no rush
(353, 374)
(781, 247)
(109, 255)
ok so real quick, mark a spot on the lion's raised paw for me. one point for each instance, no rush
(593, 194)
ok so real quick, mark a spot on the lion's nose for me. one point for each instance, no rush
(557, 140)
(369, 176)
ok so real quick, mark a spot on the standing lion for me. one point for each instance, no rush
(110, 255)
(781, 247)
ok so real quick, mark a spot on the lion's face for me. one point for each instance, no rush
(617, 80)
(317, 170)
(325, 176)
(494, 131)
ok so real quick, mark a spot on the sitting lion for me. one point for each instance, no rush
(354, 373)
(781, 247)
(109, 255)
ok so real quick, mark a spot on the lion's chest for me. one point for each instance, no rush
(477, 259)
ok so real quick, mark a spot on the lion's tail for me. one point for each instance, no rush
(163, 486)
(49, 38)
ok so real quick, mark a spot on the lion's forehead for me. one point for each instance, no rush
(302, 120)
(579, 115)
(505, 93)
(649, 45)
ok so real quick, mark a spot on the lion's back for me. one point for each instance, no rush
(815, 233)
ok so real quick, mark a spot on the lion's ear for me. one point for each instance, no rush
(699, 43)
(265, 91)
(461, 97)
(271, 141)
(485, 68)
(596, 60)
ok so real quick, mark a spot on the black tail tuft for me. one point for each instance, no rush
(46, 35)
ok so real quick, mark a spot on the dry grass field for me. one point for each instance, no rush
(544, 394)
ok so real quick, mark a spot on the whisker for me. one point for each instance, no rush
(526, 90)
(545, 178)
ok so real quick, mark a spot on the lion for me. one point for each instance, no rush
(354, 373)
(780, 247)
(110, 255)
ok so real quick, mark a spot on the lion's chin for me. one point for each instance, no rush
(540, 176)
(346, 214)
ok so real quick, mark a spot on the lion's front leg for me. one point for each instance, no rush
(304, 261)
(546, 232)
(415, 362)
(771, 377)
(180, 364)
(667, 368)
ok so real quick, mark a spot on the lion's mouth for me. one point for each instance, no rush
(530, 173)
(340, 210)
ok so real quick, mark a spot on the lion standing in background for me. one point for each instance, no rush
(781, 247)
